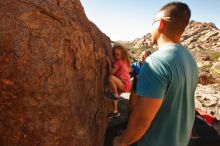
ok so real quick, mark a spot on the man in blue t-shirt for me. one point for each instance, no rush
(136, 66)
(164, 113)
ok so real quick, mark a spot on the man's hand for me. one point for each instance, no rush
(117, 141)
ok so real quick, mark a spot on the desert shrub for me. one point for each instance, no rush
(214, 56)
(206, 66)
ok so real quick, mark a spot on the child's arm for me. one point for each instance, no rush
(116, 66)
(113, 70)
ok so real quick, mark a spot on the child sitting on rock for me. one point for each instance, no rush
(120, 78)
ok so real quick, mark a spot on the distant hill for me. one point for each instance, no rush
(196, 35)
(201, 35)
(201, 38)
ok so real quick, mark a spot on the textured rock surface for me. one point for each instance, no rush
(205, 78)
(207, 98)
(216, 70)
(53, 66)
(201, 35)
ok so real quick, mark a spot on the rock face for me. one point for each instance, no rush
(201, 35)
(145, 41)
(53, 67)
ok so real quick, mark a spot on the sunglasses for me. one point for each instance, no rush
(164, 18)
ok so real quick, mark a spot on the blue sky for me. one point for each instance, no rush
(130, 19)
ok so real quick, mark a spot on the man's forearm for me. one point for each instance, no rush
(140, 119)
(135, 129)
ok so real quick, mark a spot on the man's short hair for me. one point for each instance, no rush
(179, 14)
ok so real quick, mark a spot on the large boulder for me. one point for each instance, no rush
(53, 68)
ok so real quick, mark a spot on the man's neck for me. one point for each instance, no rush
(163, 41)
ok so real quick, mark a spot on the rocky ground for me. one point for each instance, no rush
(203, 40)
(207, 98)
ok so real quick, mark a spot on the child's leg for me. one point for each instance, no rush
(116, 84)
(115, 106)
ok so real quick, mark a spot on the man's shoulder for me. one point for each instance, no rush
(171, 52)
(168, 50)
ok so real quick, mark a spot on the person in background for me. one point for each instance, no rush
(165, 111)
(120, 78)
(136, 66)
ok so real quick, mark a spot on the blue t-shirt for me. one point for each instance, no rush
(136, 66)
(170, 73)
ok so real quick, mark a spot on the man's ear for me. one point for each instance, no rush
(161, 26)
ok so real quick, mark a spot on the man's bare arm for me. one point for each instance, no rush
(140, 119)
